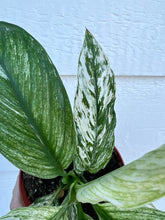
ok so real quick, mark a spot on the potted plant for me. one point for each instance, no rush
(39, 134)
(28, 188)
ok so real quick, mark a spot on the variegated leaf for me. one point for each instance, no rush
(133, 185)
(47, 200)
(42, 213)
(94, 108)
(36, 124)
(108, 212)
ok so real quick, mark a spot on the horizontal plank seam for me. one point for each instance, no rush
(120, 76)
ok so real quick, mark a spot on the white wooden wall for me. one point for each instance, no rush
(131, 33)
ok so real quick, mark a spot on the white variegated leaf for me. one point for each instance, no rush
(108, 212)
(47, 200)
(94, 108)
(133, 185)
(33, 213)
(36, 123)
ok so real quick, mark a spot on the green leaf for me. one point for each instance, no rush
(72, 212)
(75, 212)
(36, 124)
(42, 213)
(81, 215)
(47, 200)
(133, 185)
(62, 213)
(94, 113)
(108, 212)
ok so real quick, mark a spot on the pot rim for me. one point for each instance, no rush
(25, 200)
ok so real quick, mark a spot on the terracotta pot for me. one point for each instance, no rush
(20, 197)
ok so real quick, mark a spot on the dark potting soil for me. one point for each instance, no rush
(37, 187)
(112, 165)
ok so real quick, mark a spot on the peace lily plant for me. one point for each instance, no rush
(39, 134)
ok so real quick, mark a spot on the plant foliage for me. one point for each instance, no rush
(94, 113)
(36, 125)
(40, 135)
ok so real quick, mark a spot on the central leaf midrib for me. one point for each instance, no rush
(38, 133)
(96, 103)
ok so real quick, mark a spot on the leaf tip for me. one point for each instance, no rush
(87, 32)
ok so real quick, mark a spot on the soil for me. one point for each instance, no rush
(36, 187)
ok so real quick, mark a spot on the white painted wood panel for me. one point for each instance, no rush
(130, 32)
(132, 36)
(7, 182)
(140, 109)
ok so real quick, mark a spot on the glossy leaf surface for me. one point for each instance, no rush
(36, 123)
(133, 185)
(94, 108)
(108, 212)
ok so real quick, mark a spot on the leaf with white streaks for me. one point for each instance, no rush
(133, 185)
(94, 114)
(108, 212)
(42, 213)
(36, 123)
